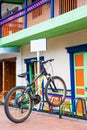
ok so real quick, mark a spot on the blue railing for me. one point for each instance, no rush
(23, 11)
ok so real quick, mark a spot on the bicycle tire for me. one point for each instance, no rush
(55, 97)
(18, 103)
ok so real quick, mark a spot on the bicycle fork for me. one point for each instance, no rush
(53, 85)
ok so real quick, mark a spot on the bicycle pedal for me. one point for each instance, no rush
(36, 98)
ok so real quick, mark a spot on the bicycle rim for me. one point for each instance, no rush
(55, 96)
(18, 105)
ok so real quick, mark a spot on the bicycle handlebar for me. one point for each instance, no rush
(50, 60)
(23, 75)
(43, 62)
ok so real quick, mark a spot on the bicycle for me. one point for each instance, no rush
(20, 100)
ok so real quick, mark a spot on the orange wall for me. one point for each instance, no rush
(44, 16)
(81, 2)
(46, 12)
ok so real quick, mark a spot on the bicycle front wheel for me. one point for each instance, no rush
(18, 104)
(55, 91)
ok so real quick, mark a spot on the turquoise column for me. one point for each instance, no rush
(30, 72)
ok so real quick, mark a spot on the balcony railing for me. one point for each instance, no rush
(35, 13)
(11, 27)
(67, 5)
(12, 23)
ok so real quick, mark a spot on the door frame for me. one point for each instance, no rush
(71, 51)
(13, 59)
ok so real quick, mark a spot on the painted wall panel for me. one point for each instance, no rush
(79, 60)
(56, 48)
(79, 77)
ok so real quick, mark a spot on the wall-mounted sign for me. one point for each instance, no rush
(38, 45)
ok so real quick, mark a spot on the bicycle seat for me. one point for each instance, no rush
(23, 74)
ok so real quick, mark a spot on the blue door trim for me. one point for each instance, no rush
(77, 48)
(28, 61)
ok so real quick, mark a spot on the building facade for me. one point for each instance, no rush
(63, 23)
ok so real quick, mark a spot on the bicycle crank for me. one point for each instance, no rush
(36, 98)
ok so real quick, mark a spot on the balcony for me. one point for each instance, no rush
(35, 14)
(26, 17)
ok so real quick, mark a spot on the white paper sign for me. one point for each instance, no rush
(38, 45)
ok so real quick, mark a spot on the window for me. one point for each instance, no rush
(37, 12)
(67, 5)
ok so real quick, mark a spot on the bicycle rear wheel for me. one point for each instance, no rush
(55, 91)
(18, 104)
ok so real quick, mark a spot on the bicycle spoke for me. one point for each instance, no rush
(18, 105)
(55, 91)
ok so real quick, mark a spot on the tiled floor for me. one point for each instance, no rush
(42, 121)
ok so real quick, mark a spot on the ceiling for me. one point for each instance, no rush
(13, 1)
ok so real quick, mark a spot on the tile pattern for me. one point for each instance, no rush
(42, 121)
